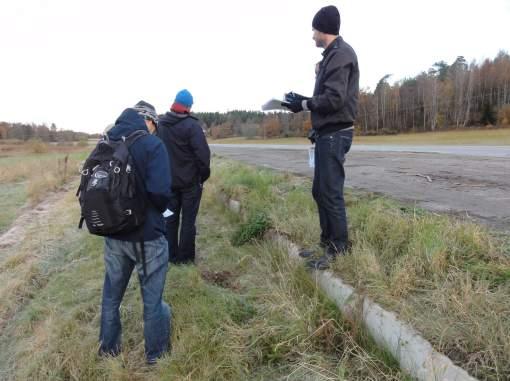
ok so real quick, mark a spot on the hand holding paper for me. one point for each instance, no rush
(274, 104)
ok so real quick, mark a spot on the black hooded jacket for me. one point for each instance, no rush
(187, 147)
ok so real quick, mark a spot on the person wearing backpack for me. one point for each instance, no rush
(124, 192)
(190, 163)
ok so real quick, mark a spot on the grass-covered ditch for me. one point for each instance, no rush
(450, 279)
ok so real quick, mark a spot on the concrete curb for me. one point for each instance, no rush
(415, 355)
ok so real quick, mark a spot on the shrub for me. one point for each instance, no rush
(504, 115)
(254, 228)
(37, 146)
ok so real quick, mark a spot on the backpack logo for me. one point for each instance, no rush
(100, 175)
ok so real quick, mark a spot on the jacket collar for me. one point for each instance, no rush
(173, 117)
(334, 45)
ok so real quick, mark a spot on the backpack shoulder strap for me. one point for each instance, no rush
(122, 149)
(133, 137)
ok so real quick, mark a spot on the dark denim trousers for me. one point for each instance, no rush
(120, 260)
(328, 187)
(184, 204)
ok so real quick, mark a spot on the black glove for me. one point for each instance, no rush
(312, 136)
(294, 106)
(292, 97)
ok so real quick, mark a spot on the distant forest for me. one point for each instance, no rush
(456, 95)
(22, 131)
(446, 96)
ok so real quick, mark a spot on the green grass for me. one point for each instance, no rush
(448, 278)
(14, 196)
(475, 136)
(245, 313)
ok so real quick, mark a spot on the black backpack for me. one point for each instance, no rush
(109, 191)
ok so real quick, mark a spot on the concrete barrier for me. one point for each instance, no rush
(415, 355)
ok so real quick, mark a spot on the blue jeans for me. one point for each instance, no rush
(328, 187)
(120, 260)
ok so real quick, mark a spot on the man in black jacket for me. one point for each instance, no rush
(333, 110)
(190, 167)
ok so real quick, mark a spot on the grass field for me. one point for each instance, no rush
(448, 278)
(245, 313)
(26, 177)
(496, 137)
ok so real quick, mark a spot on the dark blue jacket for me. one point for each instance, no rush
(188, 149)
(153, 169)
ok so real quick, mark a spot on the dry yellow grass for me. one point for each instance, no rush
(41, 172)
(22, 265)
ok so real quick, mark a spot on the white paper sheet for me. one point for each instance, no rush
(274, 104)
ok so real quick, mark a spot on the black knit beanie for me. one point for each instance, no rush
(327, 20)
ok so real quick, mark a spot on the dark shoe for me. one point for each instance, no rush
(324, 244)
(306, 253)
(323, 263)
(111, 353)
(151, 362)
(341, 250)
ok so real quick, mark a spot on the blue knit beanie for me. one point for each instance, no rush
(184, 98)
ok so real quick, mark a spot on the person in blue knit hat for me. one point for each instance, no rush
(183, 102)
(190, 168)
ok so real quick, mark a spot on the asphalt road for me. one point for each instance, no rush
(469, 181)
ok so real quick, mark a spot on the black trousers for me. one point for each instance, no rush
(328, 187)
(184, 203)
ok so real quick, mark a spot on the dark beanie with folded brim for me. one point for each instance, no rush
(327, 20)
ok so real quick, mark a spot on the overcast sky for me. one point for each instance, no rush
(79, 63)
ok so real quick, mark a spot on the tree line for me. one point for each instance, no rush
(24, 132)
(456, 95)
(252, 124)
